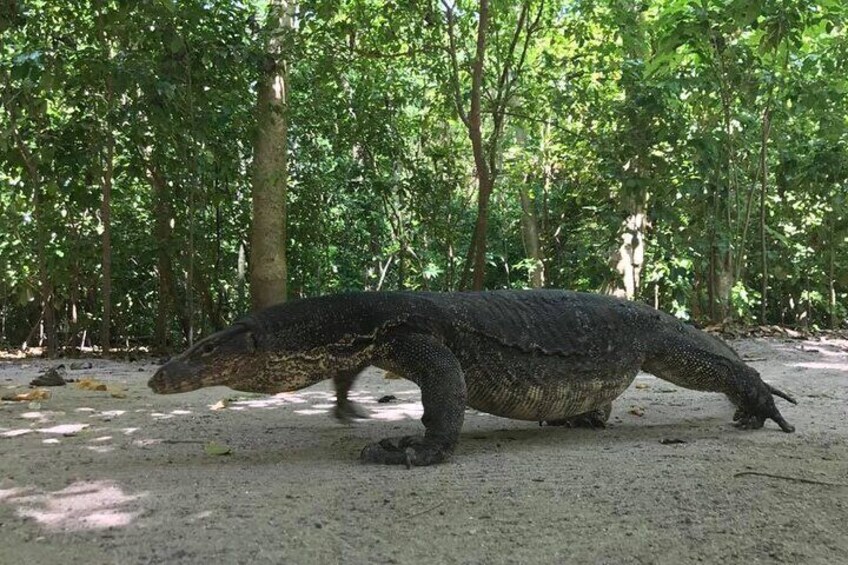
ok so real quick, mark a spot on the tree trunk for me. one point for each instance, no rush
(722, 284)
(106, 193)
(764, 189)
(484, 177)
(106, 222)
(49, 314)
(268, 233)
(832, 283)
(530, 234)
(638, 119)
(167, 289)
(629, 257)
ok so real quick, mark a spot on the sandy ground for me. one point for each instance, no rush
(89, 478)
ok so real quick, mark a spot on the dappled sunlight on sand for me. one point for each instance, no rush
(64, 429)
(397, 411)
(824, 347)
(312, 402)
(823, 366)
(56, 425)
(84, 505)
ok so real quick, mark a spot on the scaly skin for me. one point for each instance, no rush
(549, 356)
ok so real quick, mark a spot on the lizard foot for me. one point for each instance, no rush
(347, 412)
(406, 450)
(758, 406)
(596, 419)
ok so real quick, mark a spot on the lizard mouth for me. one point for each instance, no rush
(167, 382)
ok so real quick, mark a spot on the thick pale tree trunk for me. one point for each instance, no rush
(629, 258)
(268, 233)
(722, 281)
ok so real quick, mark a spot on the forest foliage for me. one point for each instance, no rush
(689, 153)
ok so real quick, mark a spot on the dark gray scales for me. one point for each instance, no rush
(544, 355)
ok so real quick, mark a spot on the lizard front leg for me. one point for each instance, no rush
(698, 369)
(427, 362)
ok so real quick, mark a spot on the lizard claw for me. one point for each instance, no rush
(408, 451)
(759, 406)
(346, 412)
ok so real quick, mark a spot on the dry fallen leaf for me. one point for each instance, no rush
(643, 385)
(37, 394)
(637, 411)
(89, 383)
(220, 405)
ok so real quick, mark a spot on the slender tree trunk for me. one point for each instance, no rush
(530, 218)
(268, 234)
(696, 295)
(481, 229)
(484, 177)
(485, 154)
(49, 313)
(763, 191)
(106, 201)
(530, 233)
(167, 286)
(832, 282)
(106, 237)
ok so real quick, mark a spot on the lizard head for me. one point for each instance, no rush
(219, 359)
(280, 349)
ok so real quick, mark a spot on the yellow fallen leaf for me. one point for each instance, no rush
(643, 385)
(391, 375)
(214, 448)
(637, 411)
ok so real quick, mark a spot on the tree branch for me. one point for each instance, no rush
(454, 64)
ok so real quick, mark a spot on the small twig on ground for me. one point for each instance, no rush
(754, 359)
(787, 478)
(419, 513)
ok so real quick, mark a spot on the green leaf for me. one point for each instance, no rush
(217, 449)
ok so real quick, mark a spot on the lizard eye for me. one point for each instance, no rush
(251, 342)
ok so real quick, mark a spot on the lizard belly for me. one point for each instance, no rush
(545, 388)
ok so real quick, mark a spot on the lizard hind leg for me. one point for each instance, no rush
(347, 411)
(594, 419)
